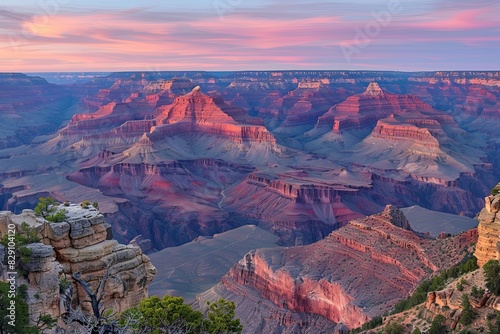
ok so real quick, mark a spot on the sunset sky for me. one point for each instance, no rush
(91, 35)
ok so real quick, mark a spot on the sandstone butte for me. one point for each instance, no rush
(359, 271)
(152, 121)
(81, 244)
(360, 110)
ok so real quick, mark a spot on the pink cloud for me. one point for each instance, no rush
(141, 40)
(459, 20)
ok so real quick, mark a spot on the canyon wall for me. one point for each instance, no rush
(488, 245)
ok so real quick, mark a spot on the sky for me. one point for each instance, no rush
(229, 35)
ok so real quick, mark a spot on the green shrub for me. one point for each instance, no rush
(477, 292)
(394, 328)
(155, 315)
(438, 325)
(63, 284)
(57, 217)
(495, 191)
(47, 208)
(492, 271)
(436, 283)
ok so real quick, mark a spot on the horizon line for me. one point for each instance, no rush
(254, 71)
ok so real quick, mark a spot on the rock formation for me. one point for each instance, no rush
(81, 244)
(357, 272)
(488, 244)
(364, 109)
(253, 148)
(447, 302)
(398, 129)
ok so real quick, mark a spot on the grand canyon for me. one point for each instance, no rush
(319, 167)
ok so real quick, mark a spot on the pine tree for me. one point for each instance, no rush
(468, 314)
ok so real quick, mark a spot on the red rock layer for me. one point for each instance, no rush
(107, 117)
(358, 272)
(300, 107)
(397, 130)
(364, 109)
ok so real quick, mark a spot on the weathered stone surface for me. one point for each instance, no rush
(80, 246)
(43, 292)
(489, 231)
(41, 258)
(396, 217)
(58, 231)
(145, 245)
(89, 253)
(340, 329)
(90, 239)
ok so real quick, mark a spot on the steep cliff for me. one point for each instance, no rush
(357, 272)
(488, 245)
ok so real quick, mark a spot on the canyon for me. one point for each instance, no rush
(315, 162)
(354, 274)
(171, 156)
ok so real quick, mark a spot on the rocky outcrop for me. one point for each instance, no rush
(82, 245)
(112, 115)
(396, 217)
(357, 272)
(448, 301)
(488, 245)
(394, 129)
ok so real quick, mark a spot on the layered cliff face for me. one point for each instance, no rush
(197, 112)
(488, 245)
(124, 123)
(81, 244)
(396, 130)
(294, 203)
(357, 272)
(447, 302)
